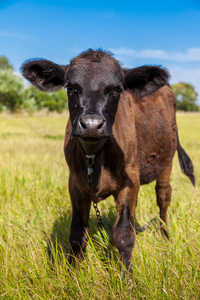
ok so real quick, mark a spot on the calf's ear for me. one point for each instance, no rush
(145, 80)
(44, 74)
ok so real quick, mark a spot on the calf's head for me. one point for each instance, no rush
(94, 82)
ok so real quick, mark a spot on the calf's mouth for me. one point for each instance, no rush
(92, 145)
(91, 139)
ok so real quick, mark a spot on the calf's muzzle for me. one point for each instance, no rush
(92, 126)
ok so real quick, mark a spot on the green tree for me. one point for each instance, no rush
(58, 101)
(11, 89)
(186, 96)
(33, 98)
(4, 64)
(29, 102)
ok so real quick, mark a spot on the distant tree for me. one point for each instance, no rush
(186, 96)
(29, 101)
(33, 98)
(31, 94)
(11, 89)
(4, 64)
(59, 101)
(1, 107)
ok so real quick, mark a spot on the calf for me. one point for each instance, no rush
(121, 134)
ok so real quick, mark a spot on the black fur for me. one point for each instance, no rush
(185, 162)
(95, 56)
(145, 80)
(44, 74)
(141, 81)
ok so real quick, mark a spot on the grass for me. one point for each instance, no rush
(35, 215)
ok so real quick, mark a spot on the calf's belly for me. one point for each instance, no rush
(151, 170)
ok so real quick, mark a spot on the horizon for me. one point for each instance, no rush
(155, 33)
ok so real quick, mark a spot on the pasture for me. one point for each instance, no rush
(35, 215)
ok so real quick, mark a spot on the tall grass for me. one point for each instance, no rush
(35, 215)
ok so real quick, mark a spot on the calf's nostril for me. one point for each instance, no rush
(101, 125)
(83, 125)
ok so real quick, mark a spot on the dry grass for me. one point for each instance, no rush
(35, 214)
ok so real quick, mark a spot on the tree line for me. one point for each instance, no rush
(16, 96)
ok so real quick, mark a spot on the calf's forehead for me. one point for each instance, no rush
(95, 75)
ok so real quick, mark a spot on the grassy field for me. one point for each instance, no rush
(35, 214)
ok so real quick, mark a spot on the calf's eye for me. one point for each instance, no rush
(115, 92)
(71, 90)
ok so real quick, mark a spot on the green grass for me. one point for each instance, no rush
(35, 215)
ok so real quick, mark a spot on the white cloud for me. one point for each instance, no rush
(192, 54)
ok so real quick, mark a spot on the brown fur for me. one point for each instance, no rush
(128, 159)
(126, 117)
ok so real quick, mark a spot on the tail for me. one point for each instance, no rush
(185, 162)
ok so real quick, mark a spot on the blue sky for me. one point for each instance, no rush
(137, 32)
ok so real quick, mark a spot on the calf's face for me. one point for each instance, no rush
(94, 89)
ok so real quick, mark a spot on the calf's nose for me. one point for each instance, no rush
(92, 125)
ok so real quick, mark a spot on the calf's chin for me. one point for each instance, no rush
(92, 145)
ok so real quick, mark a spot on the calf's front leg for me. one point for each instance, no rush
(123, 230)
(80, 221)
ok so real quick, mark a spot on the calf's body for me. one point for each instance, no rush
(126, 119)
(140, 150)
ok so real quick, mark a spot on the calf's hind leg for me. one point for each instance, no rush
(163, 194)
